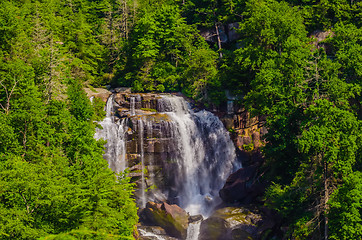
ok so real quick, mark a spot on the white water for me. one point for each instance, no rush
(144, 233)
(193, 231)
(114, 134)
(132, 105)
(200, 149)
(230, 107)
(142, 156)
(205, 155)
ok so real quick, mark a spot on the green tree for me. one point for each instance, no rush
(345, 209)
(168, 55)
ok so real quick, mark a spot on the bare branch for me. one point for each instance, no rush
(6, 108)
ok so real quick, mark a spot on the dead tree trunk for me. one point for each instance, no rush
(218, 39)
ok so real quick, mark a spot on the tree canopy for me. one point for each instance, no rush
(298, 63)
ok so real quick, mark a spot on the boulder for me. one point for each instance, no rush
(240, 186)
(213, 228)
(230, 223)
(172, 218)
(235, 223)
(195, 218)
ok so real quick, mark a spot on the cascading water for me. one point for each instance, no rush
(114, 133)
(132, 105)
(187, 155)
(193, 231)
(230, 106)
(142, 156)
(205, 155)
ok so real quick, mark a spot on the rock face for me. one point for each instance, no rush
(101, 93)
(173, 219)
(227, 33)
(213, 228)
(148, 142)
(235, 223)
(247, 132)
(241, 186)
(319, 37)
(174, 154)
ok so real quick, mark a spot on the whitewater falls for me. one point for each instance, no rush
(174, 153)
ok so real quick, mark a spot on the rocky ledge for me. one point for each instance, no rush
(173, 219)
(235, 223)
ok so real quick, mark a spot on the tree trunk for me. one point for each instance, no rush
(218, 40)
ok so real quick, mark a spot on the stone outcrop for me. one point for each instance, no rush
(234, 223)
(173, 219)
(195, 218)
(227, 33)
(213, 228)
(319, 38)
(154, 140)
(246, 131)
(242, 187)
(101, 93)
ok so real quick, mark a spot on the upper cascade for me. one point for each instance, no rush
(173, 153)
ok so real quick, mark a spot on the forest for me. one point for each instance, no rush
(54, 182)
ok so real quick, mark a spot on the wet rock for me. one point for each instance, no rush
(152, 229)
(239, 234)
(153, 233)
(240, 187)
(122, 112)
(213, 228)
(235, 223)
(195, 218)
(240, 221)
(319, 38)
(172, 218)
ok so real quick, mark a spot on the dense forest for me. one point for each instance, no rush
(54, 182)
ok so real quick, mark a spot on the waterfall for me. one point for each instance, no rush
(142, 156)
(230, 107)
(193, 231)
(132, 105)
(174, 153)
(114, 134)
(205, 155)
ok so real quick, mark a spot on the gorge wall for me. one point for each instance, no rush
(181, 155)
(173, 153)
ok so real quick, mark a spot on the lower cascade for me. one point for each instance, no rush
(174, 154)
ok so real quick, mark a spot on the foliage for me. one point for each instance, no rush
(166, 54)
(54, 182)
(53, 177)
(345, 214)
